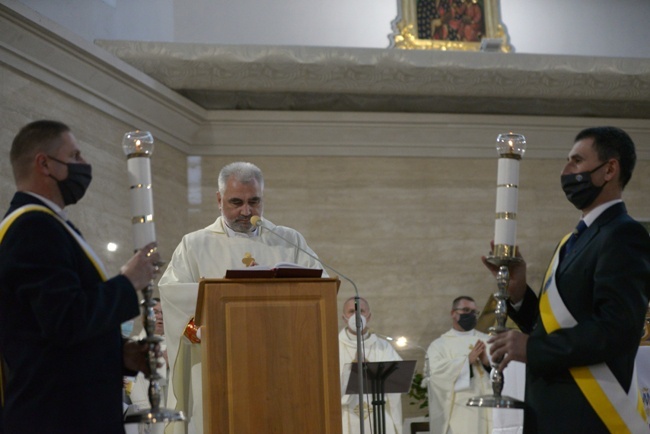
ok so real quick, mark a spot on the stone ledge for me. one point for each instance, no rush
(392, 80)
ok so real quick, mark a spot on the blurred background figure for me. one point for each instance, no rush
(460, 370)
(375, 349)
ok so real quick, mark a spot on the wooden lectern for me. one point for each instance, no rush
(270, 359)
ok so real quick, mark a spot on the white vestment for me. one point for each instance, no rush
(209, 253)
(452, 384)
(376, 350)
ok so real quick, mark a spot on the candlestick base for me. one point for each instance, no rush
(491, 401)
(155, 416)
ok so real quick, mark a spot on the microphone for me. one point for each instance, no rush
(258, 222)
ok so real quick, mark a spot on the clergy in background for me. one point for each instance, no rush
(375, 349)
(460, 370)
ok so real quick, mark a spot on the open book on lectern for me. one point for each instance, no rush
(281, 270)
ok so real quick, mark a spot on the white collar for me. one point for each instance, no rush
(471, 332)
(596, 212)
(353, 337)
(56, 208)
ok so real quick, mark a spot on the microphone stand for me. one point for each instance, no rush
(357, 314)
(257, 221)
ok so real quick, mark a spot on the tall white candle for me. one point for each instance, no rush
(511, 148)
(138, 147)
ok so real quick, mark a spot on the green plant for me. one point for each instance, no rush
(417, 393)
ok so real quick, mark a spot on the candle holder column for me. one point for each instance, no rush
(511, 148)
(138, 148)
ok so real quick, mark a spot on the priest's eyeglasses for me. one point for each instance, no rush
(468, 310)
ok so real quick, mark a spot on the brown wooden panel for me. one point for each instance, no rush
(270, 356)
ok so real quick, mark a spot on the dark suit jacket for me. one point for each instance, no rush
(59, 331)
(605, 283)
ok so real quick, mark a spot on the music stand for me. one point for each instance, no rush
(383, 377)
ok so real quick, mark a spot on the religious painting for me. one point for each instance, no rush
(464, 25)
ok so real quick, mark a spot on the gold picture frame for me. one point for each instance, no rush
(461, 25)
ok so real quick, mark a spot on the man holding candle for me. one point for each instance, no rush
(582, 331)
(60, 314)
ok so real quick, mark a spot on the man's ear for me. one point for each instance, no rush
(612, 169)
(41, 163)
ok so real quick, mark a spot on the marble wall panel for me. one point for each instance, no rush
(410, 232)
(103, 215)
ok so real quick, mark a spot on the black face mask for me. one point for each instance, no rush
(75, 185)
(579, 189)
(467, 321)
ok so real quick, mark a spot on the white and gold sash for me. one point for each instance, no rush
(4, 226)
(620, 412)
(6, 223)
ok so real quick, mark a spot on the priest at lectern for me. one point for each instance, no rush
(231, 242)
